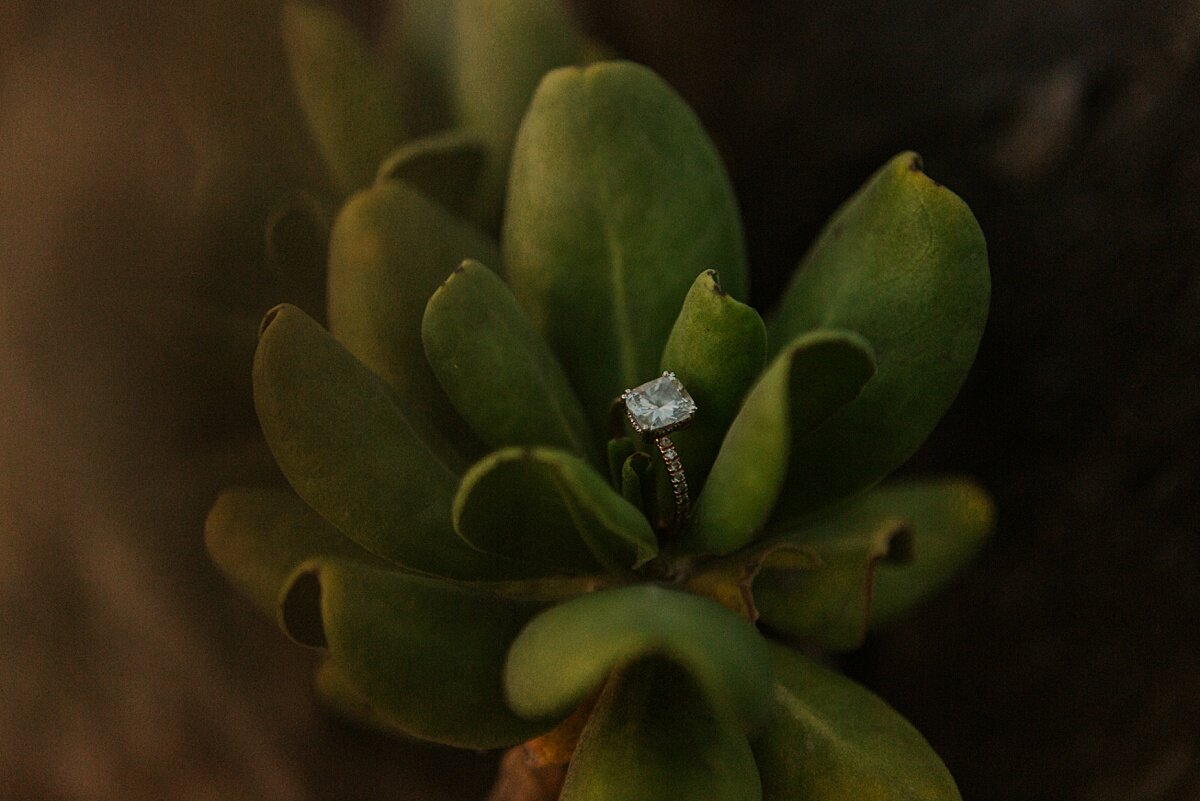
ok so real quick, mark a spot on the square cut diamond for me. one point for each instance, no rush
(658, 404)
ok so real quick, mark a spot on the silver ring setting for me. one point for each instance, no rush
(655, 409)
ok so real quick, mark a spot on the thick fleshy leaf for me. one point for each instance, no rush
(496, 368)
(883, 553)
(716, 349)
(338, 695)
(950, 519)
(417, 45)
(617, 201)
(903, 263)
(351, 107)
(617, 451)
(297, 248)
(828, 605)
(654, 737)
(391, 248)
(427, 653)
(729, 580)
(446, 168)
(829, 739)
(809, 381)
(637, 483)
(349, 451)
(258, 536)
(550, 508)
(566, 652)
(502, 49)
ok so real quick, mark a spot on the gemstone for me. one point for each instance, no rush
(658, 404)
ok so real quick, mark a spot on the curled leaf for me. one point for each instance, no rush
(806, 383)
(568, 651)
(829, 604)
(904, 264)
(446, 167)
(549, 508)
(258, 536)
(428, 653)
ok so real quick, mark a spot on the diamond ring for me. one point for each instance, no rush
(655, 409)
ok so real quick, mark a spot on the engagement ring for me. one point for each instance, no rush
(655, 409)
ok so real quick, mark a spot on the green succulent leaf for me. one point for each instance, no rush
(446, 167)
(950, 519)
(258, 537)
(829, 739)
(617, 201)
(566, 652)
(829, 605)
(618, 450)
(496, 369)
(351, 107)
(416, 44)
(428, 653)
(549, 508)
(654, 737)
(297, 245)
(502, 49)
(338, 695)
(716, 349)
(904, 264)
(808, 381)
(350, 452)
(391, 248)
(637, 483)
(884, 552)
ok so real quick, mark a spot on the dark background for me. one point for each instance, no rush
(140, 150)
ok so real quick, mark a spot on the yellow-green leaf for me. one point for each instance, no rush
(810, 380)
(828, 739)
(351, 106)
(654, 736)
(568, 651)
(904, 264)
(391, 248)
(497, 370)
(617, 201)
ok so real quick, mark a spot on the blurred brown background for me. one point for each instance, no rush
(140, 150)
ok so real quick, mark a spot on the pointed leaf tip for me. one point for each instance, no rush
(496, 369)
(345, 446)
(602, 279)
(716, 348)
(904, 264)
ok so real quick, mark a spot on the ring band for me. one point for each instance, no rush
(655, 409)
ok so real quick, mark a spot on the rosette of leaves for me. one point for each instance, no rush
(481, 558)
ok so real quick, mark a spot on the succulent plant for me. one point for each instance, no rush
(484, 559)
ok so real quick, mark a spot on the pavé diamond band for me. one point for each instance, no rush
(655, 409)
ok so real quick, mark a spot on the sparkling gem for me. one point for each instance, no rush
(658, 404)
